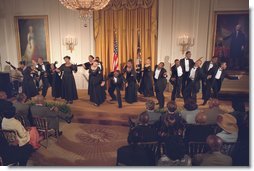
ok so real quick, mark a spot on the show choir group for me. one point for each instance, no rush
(186, 77)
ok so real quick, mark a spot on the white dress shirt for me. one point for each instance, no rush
(157, 73)
(179, 71)
(210, 66)
(115, 79)
(23, 136)
(187, 65)
(218, 74)
(193, 73)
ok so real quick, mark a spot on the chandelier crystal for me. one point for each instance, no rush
(85, 7)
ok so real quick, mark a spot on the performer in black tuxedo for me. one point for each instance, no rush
(193, 82)
(99, 63)
(116, 83)
(87, 66)
(131, 82)
(206, 67)
(187, 63)
(215, 79)
(160, 82)
(28, 84)
(146, 85)
(44, 73)
(237, 46)
(176, 79)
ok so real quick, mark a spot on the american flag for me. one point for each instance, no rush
(115, 59)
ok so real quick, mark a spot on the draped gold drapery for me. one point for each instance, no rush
(128, 20)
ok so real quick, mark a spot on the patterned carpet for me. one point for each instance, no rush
(82, 145)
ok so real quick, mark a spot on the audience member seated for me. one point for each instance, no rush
(171, 122)
(22, 109)
(153, 116)
(229, 127)
(213, 111)
(190, 111)
(26, 142)
(214, 157)
(51, 114)
(198, 132)
(4, 104)
(239, 110)
(240, 154)
(143, 132)
(12, 154)
(174, 153)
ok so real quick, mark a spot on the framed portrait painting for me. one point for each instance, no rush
(32, 38)
(231, 39)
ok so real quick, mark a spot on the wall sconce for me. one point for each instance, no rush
(185, 42)
(70, 42)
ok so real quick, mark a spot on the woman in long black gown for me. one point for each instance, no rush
(69, 90)
(56, 82)
(28, 84)
(131, 83)
(146, 86)
(97, 83)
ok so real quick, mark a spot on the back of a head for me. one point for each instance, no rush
(190, 105)
(174, 148)
(3, 95)
(171, 106)
(201, 118)
(214, 142)
(150, 105)
(21, 97)
(39, 99)
(10, 112)
(144, 118)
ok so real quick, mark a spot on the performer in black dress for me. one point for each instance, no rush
(139, 68)
(146, 86)
(56, 82)
(116, 83)
(97, 84)
(44, 73)
(87, 66)
(69, 90)
(131, 83)
(28, 84)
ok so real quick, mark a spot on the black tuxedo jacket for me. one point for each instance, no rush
(198, 76)
(161, 82)
(191, 64)
(173, 74)
(120, 80)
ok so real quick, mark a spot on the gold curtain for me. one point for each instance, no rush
(126, 19)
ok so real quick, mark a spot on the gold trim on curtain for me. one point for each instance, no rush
(126, 18)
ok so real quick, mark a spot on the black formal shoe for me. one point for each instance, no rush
(70, 102)
(119, 106)
(95, 104)
(70, 119)
(59, 133)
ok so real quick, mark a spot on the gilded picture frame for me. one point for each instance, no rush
(231, 38)
(32, 37)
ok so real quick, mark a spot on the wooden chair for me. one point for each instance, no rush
(197, 148)
(228, 148)
(42, 126)
(21, 120)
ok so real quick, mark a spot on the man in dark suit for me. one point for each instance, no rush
(206, 67)
(99, 63)
(237, 45)
(187, 63)
(215, 79)
(44, 73)
(193, 82)
(51, 114)
(116, 81)
(160, 82)
(176, 79)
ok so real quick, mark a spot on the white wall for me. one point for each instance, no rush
(61, 23)
(192, 17)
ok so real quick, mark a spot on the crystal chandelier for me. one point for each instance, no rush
(85, 7)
